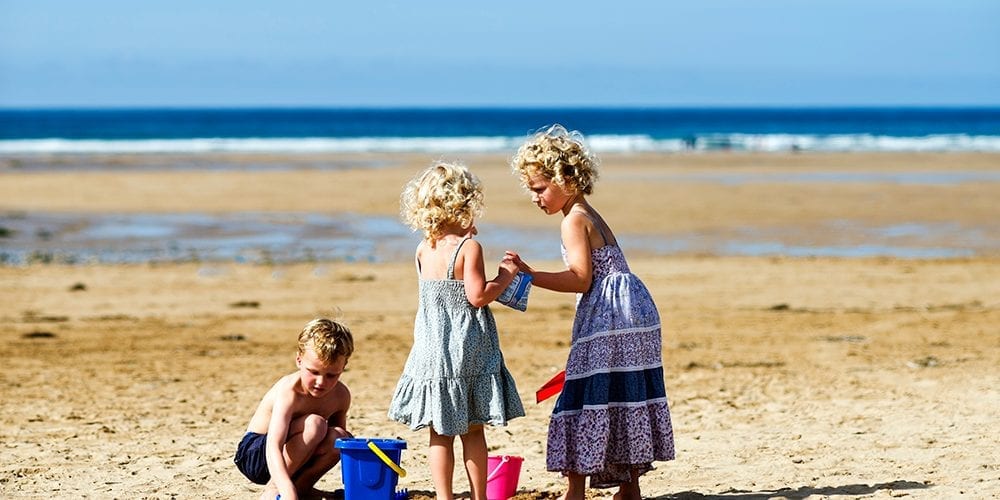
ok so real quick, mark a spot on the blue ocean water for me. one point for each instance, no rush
(268, 237)
(496, 129)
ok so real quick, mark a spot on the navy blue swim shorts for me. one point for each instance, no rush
(251, 457)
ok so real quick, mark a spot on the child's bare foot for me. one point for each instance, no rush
(628, 491)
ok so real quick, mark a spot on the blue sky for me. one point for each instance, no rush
(507, 53)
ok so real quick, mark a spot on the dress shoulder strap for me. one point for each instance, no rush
(600, 228)
(454, 258)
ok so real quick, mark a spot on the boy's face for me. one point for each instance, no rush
(549, 196)
(319, 378)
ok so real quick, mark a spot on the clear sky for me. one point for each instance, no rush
(499, 53)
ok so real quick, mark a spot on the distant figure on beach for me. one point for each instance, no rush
(455, 379)
(611, 420)
(288, 445)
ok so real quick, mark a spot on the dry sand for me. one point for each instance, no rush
(788, 378)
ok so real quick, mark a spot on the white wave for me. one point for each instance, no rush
(847, 142)
(261, 145)
(599, 143)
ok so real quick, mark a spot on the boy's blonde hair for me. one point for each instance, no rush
(443, 194)
(328, 339)
(558, 155)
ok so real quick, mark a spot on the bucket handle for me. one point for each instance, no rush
(392, 465)
(503, 460)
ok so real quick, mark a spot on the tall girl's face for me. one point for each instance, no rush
(547, 195)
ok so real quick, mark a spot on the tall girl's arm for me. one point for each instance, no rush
(479, 291)
(579, 269)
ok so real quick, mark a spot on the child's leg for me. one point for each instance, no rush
(309, 450)
(576, 487)
(324, 457)
(630, 490)
(442, 457)
(474, 454)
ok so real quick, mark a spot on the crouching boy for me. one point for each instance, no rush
(288, 445)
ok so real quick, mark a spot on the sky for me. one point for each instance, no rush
(510, 53)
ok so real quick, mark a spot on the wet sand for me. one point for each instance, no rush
(641, 193)
(788, 377)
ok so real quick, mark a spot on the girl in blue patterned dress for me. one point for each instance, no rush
(611, 420)
(455, 379)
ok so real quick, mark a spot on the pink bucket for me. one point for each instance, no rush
(504, 471)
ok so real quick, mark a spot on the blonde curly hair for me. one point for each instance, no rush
(444, 194)
(327, 338)
(558, 155)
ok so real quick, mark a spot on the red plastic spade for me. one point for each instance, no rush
(551, 388)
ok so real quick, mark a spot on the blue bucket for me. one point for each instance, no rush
(370, 467)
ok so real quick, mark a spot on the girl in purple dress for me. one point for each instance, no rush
(611, 420)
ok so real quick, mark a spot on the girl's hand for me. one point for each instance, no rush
(516, 259)
(507, 264)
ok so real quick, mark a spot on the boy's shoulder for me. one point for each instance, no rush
(287, 381)
(341, 393)
(289, 386)
(284, 385)
(341, 386)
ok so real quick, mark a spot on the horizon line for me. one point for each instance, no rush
(490, 107)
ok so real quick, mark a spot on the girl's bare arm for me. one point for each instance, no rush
(479, 291)
(579, 270)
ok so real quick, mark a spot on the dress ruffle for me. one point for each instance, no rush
(487, 399)
(608, 443)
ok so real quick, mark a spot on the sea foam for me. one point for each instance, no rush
(499, 144)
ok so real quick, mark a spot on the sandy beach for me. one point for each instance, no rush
(809, 377)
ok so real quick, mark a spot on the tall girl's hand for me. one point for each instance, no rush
(516, 259)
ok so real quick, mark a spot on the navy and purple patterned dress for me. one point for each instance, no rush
(612, 415)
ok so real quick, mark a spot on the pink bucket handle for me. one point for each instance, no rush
(504, 459)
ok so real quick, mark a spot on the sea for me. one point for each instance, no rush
(281, 130)
(267, 237)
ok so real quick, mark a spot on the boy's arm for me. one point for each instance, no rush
(277, 433)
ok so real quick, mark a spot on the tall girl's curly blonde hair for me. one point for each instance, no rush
(559, 155)
(444, 194)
